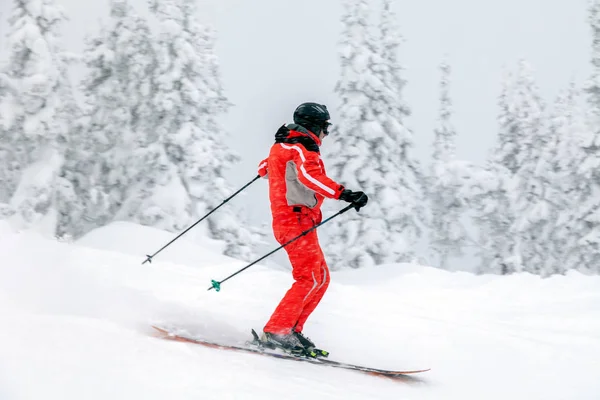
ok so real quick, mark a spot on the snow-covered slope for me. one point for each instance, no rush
(75, 325)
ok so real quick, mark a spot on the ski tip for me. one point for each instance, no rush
(415, 371)
(160, 331)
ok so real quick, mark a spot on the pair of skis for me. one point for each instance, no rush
(258, 347)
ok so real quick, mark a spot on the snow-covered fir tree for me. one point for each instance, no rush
(494, 214)
(409, 217)
(516, 220)
(531, 200)
(370, 147)
(565, 184)
(114, 139)
(444, 145)
(584, 254)
(188, 101)
(10, 167)
(40, 109)
(507, 152)
(447, 234)
(391, 69)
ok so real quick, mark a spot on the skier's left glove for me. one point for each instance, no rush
(358, 199)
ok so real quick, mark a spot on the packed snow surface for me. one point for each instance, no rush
(76, 318)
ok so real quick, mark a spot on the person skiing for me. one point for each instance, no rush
(297, 187)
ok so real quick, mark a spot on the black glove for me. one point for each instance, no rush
(358, 199)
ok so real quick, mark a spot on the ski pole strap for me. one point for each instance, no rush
(217, 284)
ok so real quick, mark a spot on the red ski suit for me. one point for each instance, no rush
(297, 187)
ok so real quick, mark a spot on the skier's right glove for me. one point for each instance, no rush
(358, 199)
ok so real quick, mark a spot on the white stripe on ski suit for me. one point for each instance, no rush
(311, 290)
(306, 175)
(324, 277)
(315, 284)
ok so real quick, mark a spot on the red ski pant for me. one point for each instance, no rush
(310, 273)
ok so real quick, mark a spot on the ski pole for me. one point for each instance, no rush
(217, 284)
(149, 258)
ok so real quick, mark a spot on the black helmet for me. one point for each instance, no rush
(312, 116)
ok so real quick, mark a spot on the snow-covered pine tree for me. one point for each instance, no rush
(531, 200)
(584, 255)
(444, 145)
(494, 213)
(491, 215)
(371, 149)
(113, 140)
(409, 216)
(42, 109)
(507, 152)
(392, 70)
(447, 234)
(566, 185)
(188, 102)
(10, 166)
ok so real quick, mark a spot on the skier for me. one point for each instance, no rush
(297, 187)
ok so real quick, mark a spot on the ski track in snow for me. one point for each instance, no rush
(76, 324)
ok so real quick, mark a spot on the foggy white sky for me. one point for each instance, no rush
(278, 53)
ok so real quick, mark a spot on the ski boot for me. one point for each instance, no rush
(288, 343)
(309, 344)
